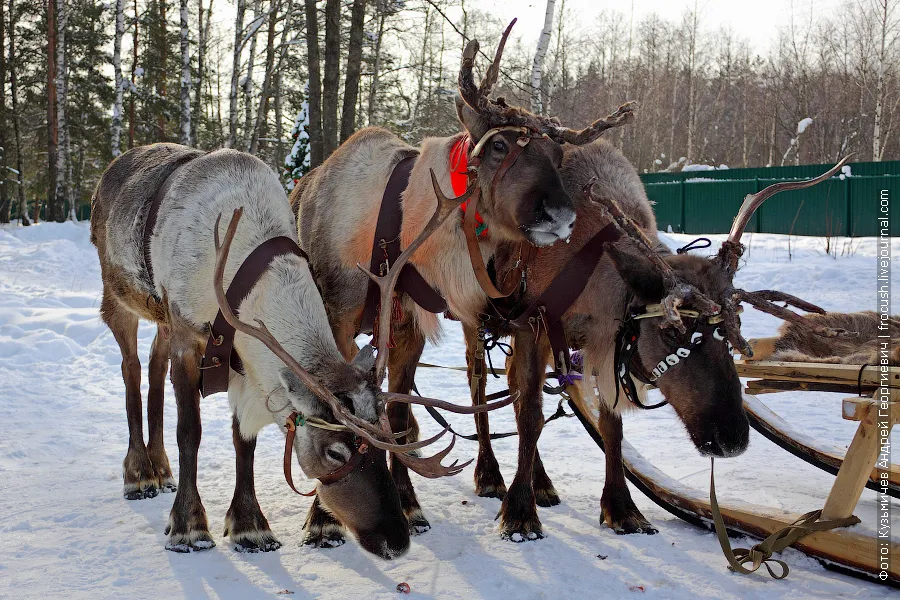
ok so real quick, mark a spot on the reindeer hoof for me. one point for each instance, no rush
(253, 542)
(192, 541)
(168, 485)
(528, 530)
(418, 524)
(546, 497)
(141, 490)
(631, 522)
(328, 535)
(491, 490)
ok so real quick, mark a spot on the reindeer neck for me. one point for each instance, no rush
(443, 258)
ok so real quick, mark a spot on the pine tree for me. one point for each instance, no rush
(297, 163)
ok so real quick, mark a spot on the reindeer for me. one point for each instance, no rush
(331, 410)
(645, 316)
(513, 158)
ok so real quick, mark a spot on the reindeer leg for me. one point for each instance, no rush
(488, 479)
(518, 515)
(137, 470)
(402, 362)
(544, 492)
(245, 523)
(323, 530)
(159, 366)
(187, 529)
(617, 508)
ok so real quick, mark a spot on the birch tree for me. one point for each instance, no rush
(539, 55)
(52, 123)
(185, 90)
(132, 117)
(12, 65)
(4, 142)
(116, 129)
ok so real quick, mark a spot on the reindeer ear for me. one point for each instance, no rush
(474, 123)
(637, 272)
(365, 359)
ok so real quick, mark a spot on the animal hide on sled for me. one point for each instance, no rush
(854, 339)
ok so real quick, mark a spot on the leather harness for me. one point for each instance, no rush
(386, 249)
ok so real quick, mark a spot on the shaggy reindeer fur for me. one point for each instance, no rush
(800, 342)
(181, 300)
(704, 389)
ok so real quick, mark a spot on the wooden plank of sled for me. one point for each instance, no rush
(815, 372)
(851, 547)
(762, 417)
(860, 459)
(771, 386)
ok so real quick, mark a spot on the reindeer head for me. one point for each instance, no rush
(682, 321)
(336, 422)
(516, 165)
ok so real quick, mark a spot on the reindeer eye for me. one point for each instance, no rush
(499, 146)
(335, 455)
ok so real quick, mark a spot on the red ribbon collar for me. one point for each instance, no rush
(459, 178)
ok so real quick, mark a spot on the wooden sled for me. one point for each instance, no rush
(851, 550)
(793, 376)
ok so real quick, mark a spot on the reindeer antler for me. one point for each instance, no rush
(623, 115)
(428, 467)
(478, 97)
(731, 250)
(386, 283)
(677, 291)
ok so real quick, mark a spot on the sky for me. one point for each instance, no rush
(756, 20)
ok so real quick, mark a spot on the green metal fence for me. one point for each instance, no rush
(707, 201)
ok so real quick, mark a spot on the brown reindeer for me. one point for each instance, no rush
(645, 316)
(514, 158)
(155, 214)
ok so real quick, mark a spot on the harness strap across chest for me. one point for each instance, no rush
(386, 249)
(547, 310)
(219, 353)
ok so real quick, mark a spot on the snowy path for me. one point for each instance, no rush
(67, 532)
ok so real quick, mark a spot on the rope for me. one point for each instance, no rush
(697, 244)
(761, 553)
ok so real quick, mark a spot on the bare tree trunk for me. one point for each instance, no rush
(263, 107)
(202, 32)
(354, 64)
(316, 143)
(692, 76)
(877, 145)
(373, 86)
(161, 82)
(52, 123)
(331, 77)
(279, 122)
(235, 74)
(13, 92)
(62, 150)
(248, 81)
(537, 105)
(4, 143)
(185, 88)
(134, 61)
(116, 129)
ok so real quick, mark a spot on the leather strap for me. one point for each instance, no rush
(386, 249)
(219, 353)
(548, 309)
(153, 213)
(333, 477)
(469, 229)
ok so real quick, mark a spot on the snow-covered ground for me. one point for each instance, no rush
(66, 531)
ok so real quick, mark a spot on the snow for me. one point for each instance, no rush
(803, 124)
(67, 531)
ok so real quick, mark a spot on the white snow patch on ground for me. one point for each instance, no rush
(67, 532)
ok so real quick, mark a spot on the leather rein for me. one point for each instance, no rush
(296, 420)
